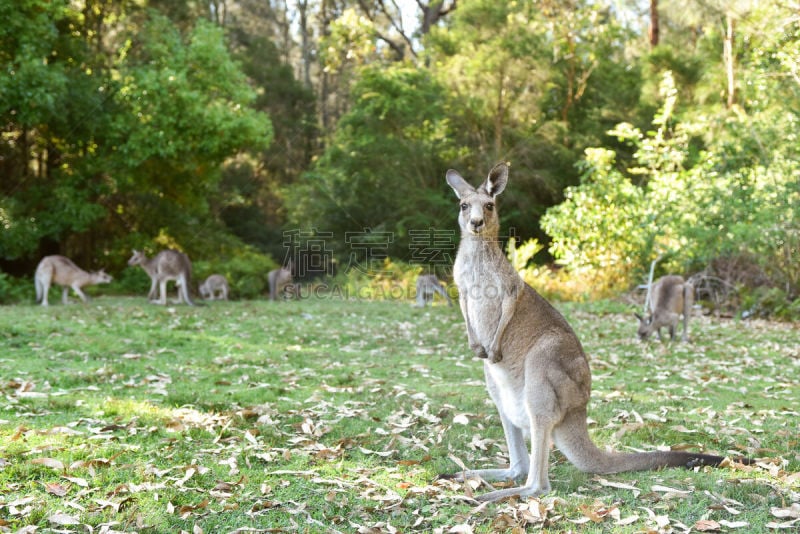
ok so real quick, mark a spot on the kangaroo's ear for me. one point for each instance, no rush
(496, 181)
(641, 319)
(459, 185)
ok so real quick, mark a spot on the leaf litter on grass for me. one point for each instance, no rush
(351, 440)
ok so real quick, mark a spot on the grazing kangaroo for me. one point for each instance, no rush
(670, 297)
(212, 284)
(536, 371)
(165, 266)
(427, 285)
(62, 271)
(279, 281)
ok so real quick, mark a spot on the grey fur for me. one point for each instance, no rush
(165, 266)
(213, 284)
(280, 280)
(671, 297)
(427, 286)
(63, 271)
(536, 371)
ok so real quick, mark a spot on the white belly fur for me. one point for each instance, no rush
(507, 393)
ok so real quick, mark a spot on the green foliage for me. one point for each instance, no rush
(383, 168)
(33, 82)
(245, 269)
(723, 206)
(106, 146)
(127, 121)
(601, 231)
(185, 106)
(14, 290)
(377, 280)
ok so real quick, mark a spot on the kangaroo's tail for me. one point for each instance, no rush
(572, 438)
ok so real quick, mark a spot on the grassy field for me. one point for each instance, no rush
(336, 416)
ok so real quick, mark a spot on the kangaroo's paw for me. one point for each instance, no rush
(495, 356)
(521, 491)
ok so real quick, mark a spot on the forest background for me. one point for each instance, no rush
(247, 132)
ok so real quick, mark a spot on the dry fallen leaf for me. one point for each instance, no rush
(786, 525)
(60, 518)
(619, 485)
(77, 481)
(793, 511)
(706, 525)
(733, 524)
(54, 488)
(49, 462)
(461, 419)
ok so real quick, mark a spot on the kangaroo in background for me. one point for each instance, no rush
(279, 281)
(427, 285)
(62, 271)
(213, 284)
(670, 297)
(165, 266)
(536, 370)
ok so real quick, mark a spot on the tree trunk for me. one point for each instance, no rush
(499, 118)
(729, 60)
(305, 52)
(433, 12)
(569, 97)
(654, 29)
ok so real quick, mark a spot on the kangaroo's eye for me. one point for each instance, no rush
(490, 206)
(464, 206)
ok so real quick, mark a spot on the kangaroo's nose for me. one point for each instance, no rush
(476, 223)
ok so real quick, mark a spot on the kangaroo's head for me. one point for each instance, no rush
(137, 258)
(102, 277)
(477, 210)
(645, 326)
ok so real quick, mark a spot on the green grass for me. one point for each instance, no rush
(331, 415)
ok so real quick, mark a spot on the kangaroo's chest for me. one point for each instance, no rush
(483, 287)
(483, 284)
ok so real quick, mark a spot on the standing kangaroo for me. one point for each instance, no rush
(165, 266)
(215, 282)
(427, 285)
(62, 271)
(279, 281)
(671, 296)
(535, 368)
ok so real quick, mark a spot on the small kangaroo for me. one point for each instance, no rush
(62, 271)
(165, 266)
(536, 370)
(212, 284)
(279, 281)
(671, 296)
(427, 285)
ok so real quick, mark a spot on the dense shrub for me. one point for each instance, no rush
(14, 290)
(384, 279)
(688, 213)
(246, 270)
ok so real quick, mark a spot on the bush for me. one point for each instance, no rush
(552, 282)
(15, 290)
(687, 212)
(246, 269)
(385, 279)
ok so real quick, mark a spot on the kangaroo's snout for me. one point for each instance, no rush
(476, 224)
